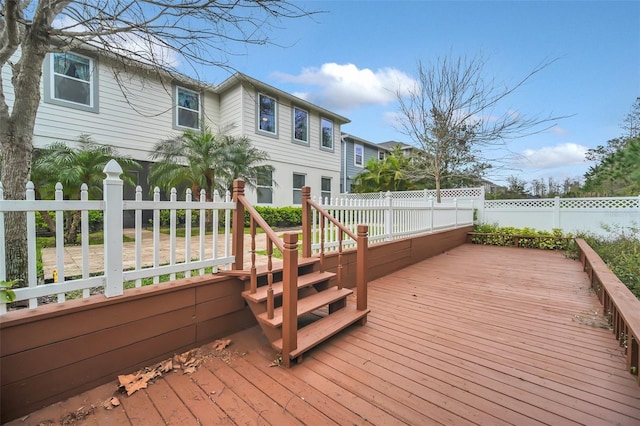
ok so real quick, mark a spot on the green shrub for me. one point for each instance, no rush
(165, 217)
(278, 217)
(621, 252)
(506, 236)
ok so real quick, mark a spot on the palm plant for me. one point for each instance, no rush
(73, 166)
(388, 174)
(202, 160)
(242, 161)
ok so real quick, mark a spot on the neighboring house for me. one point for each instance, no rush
(389, 145)
(131, 108)
(355, 154)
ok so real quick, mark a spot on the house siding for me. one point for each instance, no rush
(286, 156)
(136, 112)
(349, 170)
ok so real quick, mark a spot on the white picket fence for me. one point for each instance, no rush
(212, 251)
(388, 218)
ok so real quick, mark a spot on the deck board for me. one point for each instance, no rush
(478, 335)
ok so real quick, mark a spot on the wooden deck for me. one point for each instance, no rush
(478, 335)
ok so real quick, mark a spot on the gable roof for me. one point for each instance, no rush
(362, 141)
(392, 144)
(240, 78)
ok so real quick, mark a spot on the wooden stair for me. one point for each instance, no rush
(323, 309)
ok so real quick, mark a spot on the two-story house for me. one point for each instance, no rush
(131, 108)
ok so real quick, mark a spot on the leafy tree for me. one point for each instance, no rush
(160, 34)
(450, 115)
(73, 166)
(388, 174)
(617, 168)
(618, 173)
(516, 188)
(202, 160)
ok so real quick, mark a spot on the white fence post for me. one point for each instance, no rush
(480, 203)
(113, 193)
(388, 216)
(31, 243)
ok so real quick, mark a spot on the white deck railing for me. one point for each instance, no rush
(389, 218)
(120, 262)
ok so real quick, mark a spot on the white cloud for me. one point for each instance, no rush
(559, 131)
(553, 156)
(346, 86)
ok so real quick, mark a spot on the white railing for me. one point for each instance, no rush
(148, 257)
(592, 215)
(388, 218)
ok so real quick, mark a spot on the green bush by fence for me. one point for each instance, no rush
(278, 217)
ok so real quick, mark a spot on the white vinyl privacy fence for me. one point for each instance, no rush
(389, 218)
(592, 215)
(118, 262)
(572, 215)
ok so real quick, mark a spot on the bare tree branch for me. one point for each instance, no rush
(451, 115)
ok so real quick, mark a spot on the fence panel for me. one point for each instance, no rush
(74, 271)
(389, 218)
(574, 215)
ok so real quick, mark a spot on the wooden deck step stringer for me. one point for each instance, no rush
(316, 292)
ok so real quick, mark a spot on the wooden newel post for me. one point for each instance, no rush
(290, 296)
(361, 272)
(237, 238)
(306, 222)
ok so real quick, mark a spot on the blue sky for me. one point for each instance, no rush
(350, 59)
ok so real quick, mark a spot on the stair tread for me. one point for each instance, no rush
(262, 270)
(308, 304)
(324, 328)
(303, 281)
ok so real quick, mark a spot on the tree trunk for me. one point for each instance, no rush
(16, 140)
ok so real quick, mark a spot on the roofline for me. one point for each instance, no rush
(364, 141)
(239, 78)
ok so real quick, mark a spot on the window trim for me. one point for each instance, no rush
(382, 154)
(275, 116)
(270, 188)
(355, 155)
(325, 148)
(293, 199)
(176, 116)
(293, 121)
(322, 191)
(49, 85)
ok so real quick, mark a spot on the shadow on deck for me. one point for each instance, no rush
(478, 335)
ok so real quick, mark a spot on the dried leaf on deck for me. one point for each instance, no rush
(220, 345)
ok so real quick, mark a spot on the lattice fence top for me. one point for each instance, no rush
(567, 203)
(600, 203)
(519, 204)
(460, 193)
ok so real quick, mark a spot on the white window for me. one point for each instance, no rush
(298, 183)
(267, 114)
(326, 133)
(325, 188)
(71, 82)
(264, 186)
(358, 155)
(300, 125)
(381, 155)
(187, 108)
